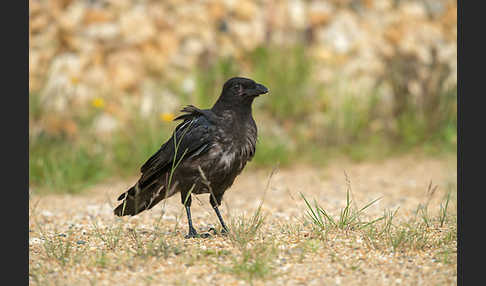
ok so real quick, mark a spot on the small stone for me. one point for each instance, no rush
(103, 31)
(245, 10)
(35, 240)
(38, 23)
(188, 85)
(47, 213)
(320, 13)
(92, 16)
(342, 34)
(297, 13)
(136, 27)
(70, 19)
(105, 124)
(125, 69)
(216, 10)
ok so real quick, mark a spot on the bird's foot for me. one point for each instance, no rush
(224, 231)
(205, 235)
(193, 234)
(198, 235)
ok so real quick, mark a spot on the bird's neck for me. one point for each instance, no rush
(223, 107)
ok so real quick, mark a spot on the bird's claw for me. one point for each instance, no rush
(224, 231)
(205, 235)
(194, 234)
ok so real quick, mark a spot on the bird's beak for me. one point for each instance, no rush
(261, 89)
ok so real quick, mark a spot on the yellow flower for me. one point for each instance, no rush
(167, 117)
(74, 80)
(98, 102)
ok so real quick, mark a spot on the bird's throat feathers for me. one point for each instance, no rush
(241, 108)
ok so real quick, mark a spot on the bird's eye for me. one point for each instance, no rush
(237, 87)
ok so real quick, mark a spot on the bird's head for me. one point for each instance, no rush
(239, 93)
(243, 88)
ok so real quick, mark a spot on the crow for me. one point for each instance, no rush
(205, 153)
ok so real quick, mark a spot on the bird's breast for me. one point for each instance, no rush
(227, 158)
(230, 157)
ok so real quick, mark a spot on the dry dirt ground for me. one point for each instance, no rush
(76, 239)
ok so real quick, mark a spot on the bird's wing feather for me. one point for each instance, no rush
(191, 138)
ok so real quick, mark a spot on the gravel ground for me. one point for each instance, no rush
(76, 240)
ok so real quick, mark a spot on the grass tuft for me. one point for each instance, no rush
(243, 230)
(421, 232)
(111, 235)
(349, 217)
(156, 247)
(254, 264)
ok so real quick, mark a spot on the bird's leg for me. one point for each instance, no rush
(192, 231)
(186, 200)
(225, 229)
(215, 202)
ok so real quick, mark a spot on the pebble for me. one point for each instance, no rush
(34, 240)
(47, 213)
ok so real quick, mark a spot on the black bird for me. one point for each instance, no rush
(206, 152)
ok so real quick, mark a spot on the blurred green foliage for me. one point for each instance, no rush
(288, 72)
(57, 165)
(300, 121)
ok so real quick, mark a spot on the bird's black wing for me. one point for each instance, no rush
(190, 139)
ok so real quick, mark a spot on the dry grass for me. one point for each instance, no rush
(407, 237)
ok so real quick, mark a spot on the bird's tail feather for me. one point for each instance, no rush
(136, 200)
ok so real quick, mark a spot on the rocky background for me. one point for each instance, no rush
(122, 47)
(357, 78)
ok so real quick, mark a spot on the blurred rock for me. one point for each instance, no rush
(135, 26)
(412, 9)
(155, 100)
(39, 23)
(60, 87)
(188, 85)
(70, 18)
(125, 70)
(105, 124)
(119, 46)
(95, 75)
(35, 7)
(192, 46)
(154, 58)
(320, 13)
(102, 31)
(243, 31)
(97, 16)
(245, 10)
(297, 13)
(216, 10)
(342, 34)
